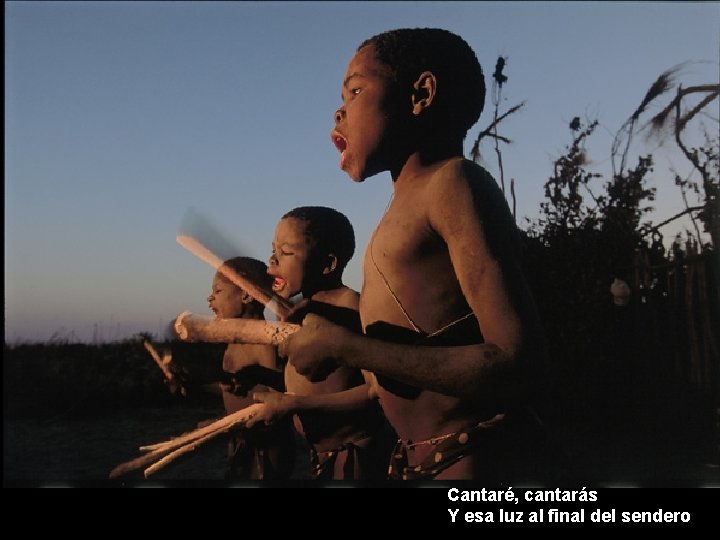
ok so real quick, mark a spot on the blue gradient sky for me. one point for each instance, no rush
(120, 116)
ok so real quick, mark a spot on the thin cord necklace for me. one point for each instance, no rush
(392, 293)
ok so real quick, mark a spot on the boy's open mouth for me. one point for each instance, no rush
(278, 284)
(339, 142)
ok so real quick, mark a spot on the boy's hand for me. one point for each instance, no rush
(277, 405)
(177, 379)
(311, 349)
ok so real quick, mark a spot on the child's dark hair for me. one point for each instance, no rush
(407, 52)
(330, 229)
(253, 269)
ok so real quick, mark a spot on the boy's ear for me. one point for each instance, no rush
(246, 298)
(425, 88)
(331, 264)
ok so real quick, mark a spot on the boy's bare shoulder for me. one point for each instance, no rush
(457, 172)
(341, 297)
(459, 181)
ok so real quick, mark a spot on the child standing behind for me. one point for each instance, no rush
(263, 453)
(348, 435)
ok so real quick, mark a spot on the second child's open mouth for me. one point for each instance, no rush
(278, 284)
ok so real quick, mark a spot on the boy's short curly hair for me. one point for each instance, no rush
(253, 269)
(330, 229)
(407, 52)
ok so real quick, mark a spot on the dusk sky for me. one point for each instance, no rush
(122, 116)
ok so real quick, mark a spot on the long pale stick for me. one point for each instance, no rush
(189, 447)
(164, 363)
(204, 239)
(195, 438)
(197, 328)
(137, 463)
(277, 304)
(226, 422)
(159, 361)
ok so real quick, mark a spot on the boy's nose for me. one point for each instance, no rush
(339, 115)
(210, 297)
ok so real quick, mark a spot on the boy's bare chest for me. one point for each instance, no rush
(403, 239)
(407, 256)
(407, 271)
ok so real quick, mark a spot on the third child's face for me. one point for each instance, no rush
(290, 257)
(361, 123)
(226, 299)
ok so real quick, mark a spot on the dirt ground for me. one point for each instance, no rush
(81, 452)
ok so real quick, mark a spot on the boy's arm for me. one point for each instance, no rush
(462, 371)
(278, 404)
(353, 399)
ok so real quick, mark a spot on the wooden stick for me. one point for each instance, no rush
(163, 364)
(136, 463)
(193, 439)
(277, 304)
(196, 328)
(169, 458)
(189, 447)
(243, 415)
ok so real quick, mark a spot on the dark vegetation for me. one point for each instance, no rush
(646, 373)
(52, 381)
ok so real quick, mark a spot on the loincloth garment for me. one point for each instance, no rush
(246, 459)
(260, 453)
(448, 449)
(350, 455)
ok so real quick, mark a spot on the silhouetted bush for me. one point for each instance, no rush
(45, 380)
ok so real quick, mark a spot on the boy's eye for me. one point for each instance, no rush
(351, 92)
